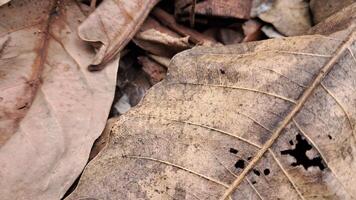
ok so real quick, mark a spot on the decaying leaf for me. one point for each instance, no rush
(323, 9)
(223, 8)
(159, 40)
(290, 17)
(261, 120)
(52, 108)
(112, 25)
(194, 36)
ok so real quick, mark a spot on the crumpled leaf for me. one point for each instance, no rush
(323, 9)
(52, 108)
(194, 36)
(261, 120)
(289, 17)
(159, 40)
(112, 25)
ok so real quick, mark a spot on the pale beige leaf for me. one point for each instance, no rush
(289, 17)
(261, 120)
(2, 2)
(52, 108)
(112, 25)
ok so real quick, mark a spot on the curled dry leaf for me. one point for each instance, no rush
(261, 120)
(159, 40)
(112, 25)
(194, 36)
(52, 108)
(323, 9)
(290, 17)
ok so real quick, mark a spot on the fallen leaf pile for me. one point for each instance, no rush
(198, 106)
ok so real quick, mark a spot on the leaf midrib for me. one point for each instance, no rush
(298, 106)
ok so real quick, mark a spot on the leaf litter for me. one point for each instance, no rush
(186, 134)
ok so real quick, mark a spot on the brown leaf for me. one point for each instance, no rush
(337, 22)
(323, 9)
(252, 30)
(51, 109)
(154, 70)
(159, 40)
(262, 120)
(194, 36)
(290, 17)
(222, 8)
(112, 25)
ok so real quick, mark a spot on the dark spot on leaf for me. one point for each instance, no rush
(299, 153)
(234, 151)
(329, 136)
(266, 171)
(254, 182)
(256, 172)
(222, 71)
(240, 164)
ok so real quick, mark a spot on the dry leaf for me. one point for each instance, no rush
(159, 40)
(271, 32)
(252, 30)
(194, 36)
(323, 9)
(290, 17)
(339, 21)
(112, 25)
(154, 70)
(223, 8)
(261, 120)
(2, 2)
(52, 108)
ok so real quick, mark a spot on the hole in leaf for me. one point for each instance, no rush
(222, 71)
(256, 172)
(291, 142)
(266, 172)
(299, 153)
(254, 182)
(249, 158)
(240, 164)
(329, 136)
(234, 151)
